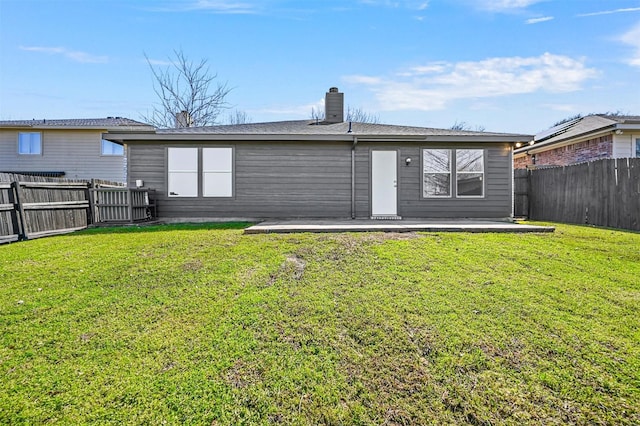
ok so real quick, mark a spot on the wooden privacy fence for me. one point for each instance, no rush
(117, 205)
(33, 207)
(38, 209)
(602, 193)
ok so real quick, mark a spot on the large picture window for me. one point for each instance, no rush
(30, 143)
(436, 176)
(217, 172)
(183, 172)
(469, 172)
(188, 168)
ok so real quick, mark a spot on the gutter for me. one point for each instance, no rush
(353, 177)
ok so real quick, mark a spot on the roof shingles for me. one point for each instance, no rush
(89, 123)
(311, 127)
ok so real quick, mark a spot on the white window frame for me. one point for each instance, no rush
(217, 172)
(111, 144)
(30, 150)
(460, 173)
(182, 172)
(425, 172)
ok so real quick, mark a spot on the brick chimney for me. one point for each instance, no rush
(334, 106)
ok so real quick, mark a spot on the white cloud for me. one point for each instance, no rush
(433, 86)
(562, 107)
(213, 6)
(609, 12)
(294, 110)
(409, 4)
(74, 55)
(223, 6)
(632, 38)
(507, 5)
(538, 20)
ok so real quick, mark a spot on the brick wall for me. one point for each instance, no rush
(592, 149)
(522, 162)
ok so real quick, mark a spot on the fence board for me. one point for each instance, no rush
(602, 193)
(521, 193)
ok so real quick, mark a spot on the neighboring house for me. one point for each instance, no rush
(72, 149)
(593, 137)
(329, 169)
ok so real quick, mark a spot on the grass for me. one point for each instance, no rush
(193, 324)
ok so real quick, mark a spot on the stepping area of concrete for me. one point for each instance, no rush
(363, 225)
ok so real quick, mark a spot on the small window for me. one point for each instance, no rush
(469, 172)
(217, 171)
(436, 173)
(638, 147)
(30, 143)
(183, 172)
(112, 148)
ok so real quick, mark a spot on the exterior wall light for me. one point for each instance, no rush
(518, 144)
(407, 161)
(531, 142)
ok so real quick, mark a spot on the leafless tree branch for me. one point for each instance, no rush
(189, 87)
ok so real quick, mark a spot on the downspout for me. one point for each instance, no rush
(353, 177)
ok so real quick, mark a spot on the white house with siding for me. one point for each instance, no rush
(70, 148)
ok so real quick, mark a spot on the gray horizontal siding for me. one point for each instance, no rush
(289, 179)
(495, 203)
(275, 180)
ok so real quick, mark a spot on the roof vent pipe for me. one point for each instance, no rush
(334, 106)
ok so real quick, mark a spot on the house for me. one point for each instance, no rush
(593, 137)
(72, 149)
(322, 169)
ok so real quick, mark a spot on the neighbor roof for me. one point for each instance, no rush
(116, 123)
(581, 127)
(311, 129)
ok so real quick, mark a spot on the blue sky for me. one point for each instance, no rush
(505, 65)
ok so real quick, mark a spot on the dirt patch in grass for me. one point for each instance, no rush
(292, 268)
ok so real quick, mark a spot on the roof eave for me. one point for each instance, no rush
(186, 137)
(95, 128)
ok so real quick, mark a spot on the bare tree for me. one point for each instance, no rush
(238, 117)
(317, 115)
(463, 125)
(357, 115)
(186, 88)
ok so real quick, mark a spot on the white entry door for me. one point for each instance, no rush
(384, 183)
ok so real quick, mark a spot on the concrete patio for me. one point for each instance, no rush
(364, 225)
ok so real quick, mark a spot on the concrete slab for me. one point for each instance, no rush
(362, 225)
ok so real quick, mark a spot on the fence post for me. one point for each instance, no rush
(130, 204)
(21, 218)
(87, 195)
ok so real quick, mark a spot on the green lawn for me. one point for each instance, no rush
(203, 325)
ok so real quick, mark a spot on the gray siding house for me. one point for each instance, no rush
(328, 169)
(71, 148)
